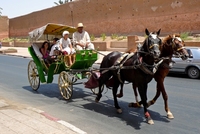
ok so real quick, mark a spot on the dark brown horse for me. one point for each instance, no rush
(149, 52)
(170, 45)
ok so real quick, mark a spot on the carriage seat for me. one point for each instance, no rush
(36, 48)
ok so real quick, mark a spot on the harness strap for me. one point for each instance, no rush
(128, 56)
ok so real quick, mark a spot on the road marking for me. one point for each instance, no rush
(72, 127)
(35, 110)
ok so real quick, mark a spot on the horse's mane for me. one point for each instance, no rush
(169, 37)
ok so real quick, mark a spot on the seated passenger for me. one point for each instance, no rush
(55, 48)
(81, 39)
(45, 52)
(67, 49)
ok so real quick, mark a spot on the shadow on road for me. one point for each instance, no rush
(52, 91)
(131, 116)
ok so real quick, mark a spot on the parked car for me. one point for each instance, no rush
(191, 66)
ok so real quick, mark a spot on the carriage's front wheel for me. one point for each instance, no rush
(65, 85)
(33, 76)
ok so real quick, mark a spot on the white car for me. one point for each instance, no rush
(191, 66)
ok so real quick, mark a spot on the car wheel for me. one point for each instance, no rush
(193, 72)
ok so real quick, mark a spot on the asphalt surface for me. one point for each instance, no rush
(101, 118)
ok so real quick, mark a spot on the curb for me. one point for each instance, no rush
(16, 55)
(64, 123)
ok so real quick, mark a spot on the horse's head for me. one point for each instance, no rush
(178, 47)
(152, 43)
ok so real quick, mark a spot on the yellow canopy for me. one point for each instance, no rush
(50, 29)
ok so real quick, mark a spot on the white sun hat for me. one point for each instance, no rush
(80, 25)
(65, 32)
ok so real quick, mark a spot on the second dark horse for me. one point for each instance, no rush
(149, 52)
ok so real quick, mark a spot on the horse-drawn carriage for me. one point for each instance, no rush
(153, 59)
(39, 71)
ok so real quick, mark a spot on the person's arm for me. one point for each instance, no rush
(70, 45)
(60, 44)
(52, 51)
(87, 37)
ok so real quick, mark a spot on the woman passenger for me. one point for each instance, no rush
(45, 52)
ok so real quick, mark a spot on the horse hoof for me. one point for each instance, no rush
(170, 115)
(135, 105)
(148, 104)
(150, 121)
(119, 111)
(119, 95)
(96, 100)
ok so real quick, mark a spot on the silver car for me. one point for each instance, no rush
(191, 66)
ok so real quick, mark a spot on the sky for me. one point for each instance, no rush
(15, 8)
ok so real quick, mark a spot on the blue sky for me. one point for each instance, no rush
(15, 8)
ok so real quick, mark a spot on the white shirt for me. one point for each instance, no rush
(82, 38)
(54, 47)
(65, 43)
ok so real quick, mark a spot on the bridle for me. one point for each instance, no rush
(148, 52)
(174, 45)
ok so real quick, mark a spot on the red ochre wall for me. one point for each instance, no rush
(116, 17)
(4, 24)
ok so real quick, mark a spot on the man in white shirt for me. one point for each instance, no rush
(55, 47)
(81, 39)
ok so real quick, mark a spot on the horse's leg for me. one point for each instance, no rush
(99, 95)
(165, 97)
(161, 89)
(121, 91)
(137, 104)
(114, 90)
(102, 80)
(158, 89)
(143, 94)
(136, 95)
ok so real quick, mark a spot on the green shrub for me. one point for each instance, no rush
(92, 37)
(103, 36)
(114, 36)
(121, 38)
(184, 35)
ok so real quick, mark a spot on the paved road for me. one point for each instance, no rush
(101, 118)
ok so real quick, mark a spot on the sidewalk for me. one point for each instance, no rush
(18, 119)
(23, 52)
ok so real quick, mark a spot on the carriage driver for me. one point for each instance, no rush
(81, 39)
(67, 49)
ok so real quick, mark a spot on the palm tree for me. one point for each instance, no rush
(60, 2)
(0, 11)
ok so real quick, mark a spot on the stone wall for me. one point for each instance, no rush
(4, 24)
(116, 16)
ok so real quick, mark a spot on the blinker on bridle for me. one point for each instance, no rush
(174, 44)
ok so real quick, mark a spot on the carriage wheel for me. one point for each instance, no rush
(94, 90)
(65, 85)
(33, 76)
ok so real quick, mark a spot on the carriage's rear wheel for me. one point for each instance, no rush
(94, 90)
(33, 76)
(65, 85)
